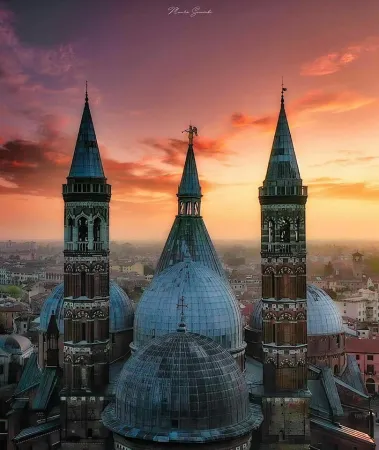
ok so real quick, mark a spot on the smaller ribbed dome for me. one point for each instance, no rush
(323, 316)
(212, 309)
(121, 311)
(181, 387)
(15, 344)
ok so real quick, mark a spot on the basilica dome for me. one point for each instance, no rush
(211, 308)
(121, 311)
(323, 316)
(181, 387)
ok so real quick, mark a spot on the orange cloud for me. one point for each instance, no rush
(173, 150)
(333, 62)
(315, 101)
(347, 161)
(33, 167)
(266, 123)
(347, 191)
(335, 102)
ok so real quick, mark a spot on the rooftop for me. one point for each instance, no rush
(193, 391)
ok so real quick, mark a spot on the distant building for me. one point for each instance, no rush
(366, 353)
(10, 308)
(363, 306)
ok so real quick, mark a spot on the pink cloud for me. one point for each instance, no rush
(335, 61)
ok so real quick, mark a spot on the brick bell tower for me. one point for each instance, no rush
(286, 397)
(86, 294)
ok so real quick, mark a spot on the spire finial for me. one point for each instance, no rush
(283, 90)
(182, 305)
(191, 131)
(86, 91)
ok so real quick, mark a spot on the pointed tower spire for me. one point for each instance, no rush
(189, 184)
(86, 162)
(189, 237)
(282, 164)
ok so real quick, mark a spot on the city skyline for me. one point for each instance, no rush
(145, 87)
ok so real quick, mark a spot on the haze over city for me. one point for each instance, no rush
(144, 92)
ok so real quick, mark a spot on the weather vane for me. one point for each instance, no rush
(283, 90)
(191, 131)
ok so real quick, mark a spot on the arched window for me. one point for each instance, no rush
(271, 231)
(83, 229)
(182, 208)
(70, 229)
(83, 287)
(196, 208)
(370, 385)
(96, 230)
(284, 232)
(189, 208)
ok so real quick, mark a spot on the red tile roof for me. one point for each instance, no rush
(362, 346)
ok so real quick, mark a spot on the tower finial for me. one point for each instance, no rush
(86, 91)
(182, 305)
(191, 131)
(283, 90)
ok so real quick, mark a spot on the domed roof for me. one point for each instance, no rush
(121, 311)
(212, 309)
(180, 387)
(323, 316)
(15, 344)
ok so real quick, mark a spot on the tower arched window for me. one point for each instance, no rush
(182, 208)
(83, 287)
(271, 231)
(97, 229)
(70, 229)
(196, 208)
(189, 208)
(284, 232)
(83, 229)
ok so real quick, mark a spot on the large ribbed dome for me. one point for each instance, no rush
(212, 309)
(121, 311)
(323, 317)
(180, 387)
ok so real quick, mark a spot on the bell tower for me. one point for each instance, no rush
(86, 293)
(284, 329)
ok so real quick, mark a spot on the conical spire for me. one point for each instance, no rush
(189, 238)
(189, 184)
(86, 162)
(282, 164)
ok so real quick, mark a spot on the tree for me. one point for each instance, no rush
(332, 294)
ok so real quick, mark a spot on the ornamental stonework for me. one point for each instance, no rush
(86, 259)
(284, 207)
(98, 266)
(91, 314)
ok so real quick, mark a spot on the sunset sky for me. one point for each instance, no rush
(150, 72)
